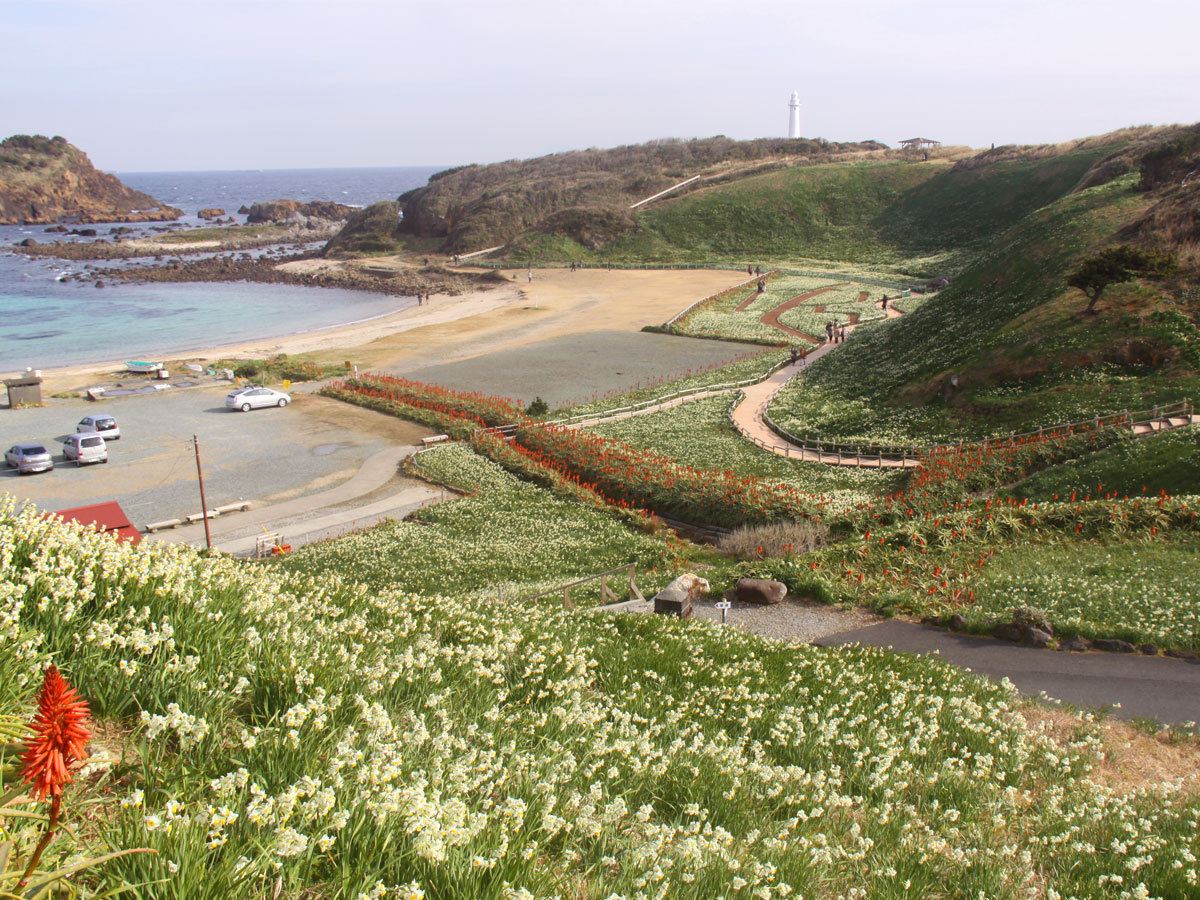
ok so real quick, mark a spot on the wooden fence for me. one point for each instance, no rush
(608, 597)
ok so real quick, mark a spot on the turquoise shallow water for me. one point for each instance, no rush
(46, 323)
(53, 324)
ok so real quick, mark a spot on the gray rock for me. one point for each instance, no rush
(1113, 645)
(761, 591)
(957, 622)
(1035, 637)
(1007, 631)
(1076, 643)
(1182, 654)
(1147, 649)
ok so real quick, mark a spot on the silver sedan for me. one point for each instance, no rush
(28, 458)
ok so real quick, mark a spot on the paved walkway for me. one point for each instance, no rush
(1150, 687)
(315, 516)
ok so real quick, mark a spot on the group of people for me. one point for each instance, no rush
(752, 270)
(422, 299)
(835, 332)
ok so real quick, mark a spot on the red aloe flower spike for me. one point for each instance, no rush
(61, 736)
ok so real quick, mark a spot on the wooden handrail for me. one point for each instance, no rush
(605, 591)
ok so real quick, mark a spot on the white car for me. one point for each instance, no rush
(249, 398)
(104, 425)
(85, 447)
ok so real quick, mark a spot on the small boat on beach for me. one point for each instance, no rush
(144, 368)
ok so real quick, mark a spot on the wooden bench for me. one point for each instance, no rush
(434, 439)
(240, 506)
(166, 523)
(208, 514)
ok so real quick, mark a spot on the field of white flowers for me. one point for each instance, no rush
(839, 304)
(722, 318)
(505, 536)
(287, 736)
(1132, 590)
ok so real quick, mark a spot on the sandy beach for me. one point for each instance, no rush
(556, 302)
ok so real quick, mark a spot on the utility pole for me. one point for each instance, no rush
(203, 505)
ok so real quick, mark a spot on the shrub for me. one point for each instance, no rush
(538, 407)
(774, 539)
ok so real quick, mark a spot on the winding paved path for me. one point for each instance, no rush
(1139, 686)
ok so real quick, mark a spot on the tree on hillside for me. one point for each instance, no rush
(1116, 265)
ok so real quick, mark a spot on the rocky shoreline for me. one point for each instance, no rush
(151, 248)
(428, 280)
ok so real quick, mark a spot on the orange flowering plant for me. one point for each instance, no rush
(52, 743)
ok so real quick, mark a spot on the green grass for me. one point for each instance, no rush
(295, 736)
(223, 234)
(1020, 356)
(1140, 591)
(968, 203)
(1164, 462)
(506, 535)
(825, 211)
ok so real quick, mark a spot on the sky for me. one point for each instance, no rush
(248, 84)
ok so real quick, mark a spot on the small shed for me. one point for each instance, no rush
(24, 390)
(107, 517)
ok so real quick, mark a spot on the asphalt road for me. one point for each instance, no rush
(1148, 687)
(265, 455)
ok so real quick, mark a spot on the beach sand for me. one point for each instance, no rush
(557, 302)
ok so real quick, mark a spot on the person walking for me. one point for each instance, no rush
(794, 355)
(885, 302)
(829, 332)
(757, 270)
(843, 336)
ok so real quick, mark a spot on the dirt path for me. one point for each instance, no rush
(772, 317)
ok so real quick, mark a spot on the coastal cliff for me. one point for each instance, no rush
(46, 180)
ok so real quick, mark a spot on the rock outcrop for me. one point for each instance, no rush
(212, 212)
(46, 180)
(290, 211)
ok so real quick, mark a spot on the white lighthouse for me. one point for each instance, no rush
(794, 115)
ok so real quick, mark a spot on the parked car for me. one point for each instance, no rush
(28, 458)
(103, 424)
(85, 447)
(249, 398)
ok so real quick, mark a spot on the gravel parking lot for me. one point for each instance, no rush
(265, 455)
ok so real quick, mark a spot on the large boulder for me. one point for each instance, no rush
(760, 591)
(212, 212)
(281, 211)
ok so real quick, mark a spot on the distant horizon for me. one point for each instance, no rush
(144, 87)
(449, 165)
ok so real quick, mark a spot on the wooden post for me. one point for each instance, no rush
(603, 589)
(203, 504)
(567, 598)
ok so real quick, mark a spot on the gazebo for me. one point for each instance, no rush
(919, 144)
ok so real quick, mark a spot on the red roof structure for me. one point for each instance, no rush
(107, 517)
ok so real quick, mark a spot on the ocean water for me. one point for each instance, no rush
(45, 322)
